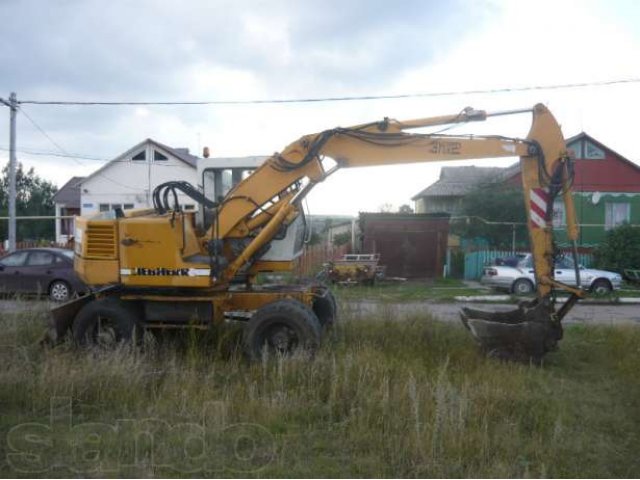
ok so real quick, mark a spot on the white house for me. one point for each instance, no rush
(67, 203)
(125, 182)
(128, 181)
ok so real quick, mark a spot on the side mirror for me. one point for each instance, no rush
(581, 267)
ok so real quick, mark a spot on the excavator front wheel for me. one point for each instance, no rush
(106, 323)
(284, 327)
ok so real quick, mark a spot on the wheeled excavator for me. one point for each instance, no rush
(167, 267)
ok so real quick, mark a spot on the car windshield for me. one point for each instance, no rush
(68, 254)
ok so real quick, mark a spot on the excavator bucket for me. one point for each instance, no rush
(523, 335)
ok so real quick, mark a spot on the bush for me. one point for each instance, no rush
(620, 250)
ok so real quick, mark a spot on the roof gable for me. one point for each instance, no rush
(69, 193)
(181, 154)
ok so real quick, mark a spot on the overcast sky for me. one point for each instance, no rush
(242, 50)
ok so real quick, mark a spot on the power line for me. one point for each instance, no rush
(55, 144)
(339, 99)
(48, 137)
(46, 153)
(54, 154)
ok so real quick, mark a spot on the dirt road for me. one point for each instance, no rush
(582, 313)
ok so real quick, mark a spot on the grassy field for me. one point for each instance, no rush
(381, 398)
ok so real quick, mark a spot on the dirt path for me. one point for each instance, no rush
(582, 313)
(585, 313)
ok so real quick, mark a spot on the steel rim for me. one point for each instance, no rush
(59, 292)
(523, 287)
(104, 334)
(280, 339)
(601, 289)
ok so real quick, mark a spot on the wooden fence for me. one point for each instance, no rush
(36, 244)
(310, 262)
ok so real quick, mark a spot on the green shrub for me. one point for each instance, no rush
(620, 250)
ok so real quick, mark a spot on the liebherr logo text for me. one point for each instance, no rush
(161, 272)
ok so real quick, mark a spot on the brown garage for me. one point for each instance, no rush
(410, 245)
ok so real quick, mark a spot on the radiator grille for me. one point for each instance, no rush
(101, 241)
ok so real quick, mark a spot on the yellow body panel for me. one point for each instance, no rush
(154, 252)
(97, 272)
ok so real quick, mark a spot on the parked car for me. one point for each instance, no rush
(520, 279)
(46, 271)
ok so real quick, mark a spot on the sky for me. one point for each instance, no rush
(116, 50)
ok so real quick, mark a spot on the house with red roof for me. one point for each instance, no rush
(606, 189)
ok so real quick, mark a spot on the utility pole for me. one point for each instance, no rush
(13, 109)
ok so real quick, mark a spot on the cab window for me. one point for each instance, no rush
(218, 181)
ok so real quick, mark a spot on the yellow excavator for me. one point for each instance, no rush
(167, 267)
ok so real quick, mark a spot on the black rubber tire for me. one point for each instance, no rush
(107, 316)
(601, 287)
(326, 310)
(522, 286)
(57, 291)
(285, 327)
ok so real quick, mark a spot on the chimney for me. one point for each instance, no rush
(205, 152)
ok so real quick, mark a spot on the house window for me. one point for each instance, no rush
(559, 214)
(615, 214)
(140, 156)
(159, 157)
(105, 207)
(592, 152)
(576, 147)
(189, 206)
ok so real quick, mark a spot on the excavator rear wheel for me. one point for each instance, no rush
(106, 322)
(284, 327)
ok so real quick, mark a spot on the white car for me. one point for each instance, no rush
(517, 276)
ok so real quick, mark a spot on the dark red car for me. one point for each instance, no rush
(47, 271)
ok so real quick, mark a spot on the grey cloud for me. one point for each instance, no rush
(131, 49)
(142, 50)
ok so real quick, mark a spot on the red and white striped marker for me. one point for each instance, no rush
(538, 201)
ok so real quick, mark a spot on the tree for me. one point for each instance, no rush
(341, 238)
(405, 209)
(493, 203)
(34, 196)
(619, 250)
(385, 208)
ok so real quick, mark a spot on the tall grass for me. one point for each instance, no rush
(383, 397)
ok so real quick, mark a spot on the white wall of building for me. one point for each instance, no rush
(129, 183)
